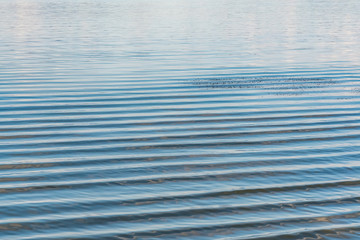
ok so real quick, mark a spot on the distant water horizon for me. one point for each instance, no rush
(179, 119)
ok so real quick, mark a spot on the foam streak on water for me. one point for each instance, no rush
(179, 119)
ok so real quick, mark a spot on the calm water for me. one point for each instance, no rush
(179, 119)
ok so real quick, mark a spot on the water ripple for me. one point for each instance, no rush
(179, 120)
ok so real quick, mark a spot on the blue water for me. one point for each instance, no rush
(179, 119)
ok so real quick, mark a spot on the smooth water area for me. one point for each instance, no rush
(179, 119)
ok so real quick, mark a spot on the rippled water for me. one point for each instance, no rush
(179, 119)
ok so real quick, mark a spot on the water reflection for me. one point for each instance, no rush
(291, 85)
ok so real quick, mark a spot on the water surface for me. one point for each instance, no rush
(178, 119)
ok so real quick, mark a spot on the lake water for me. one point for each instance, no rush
(179, 119)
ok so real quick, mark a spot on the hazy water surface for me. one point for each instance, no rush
(179, 119)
